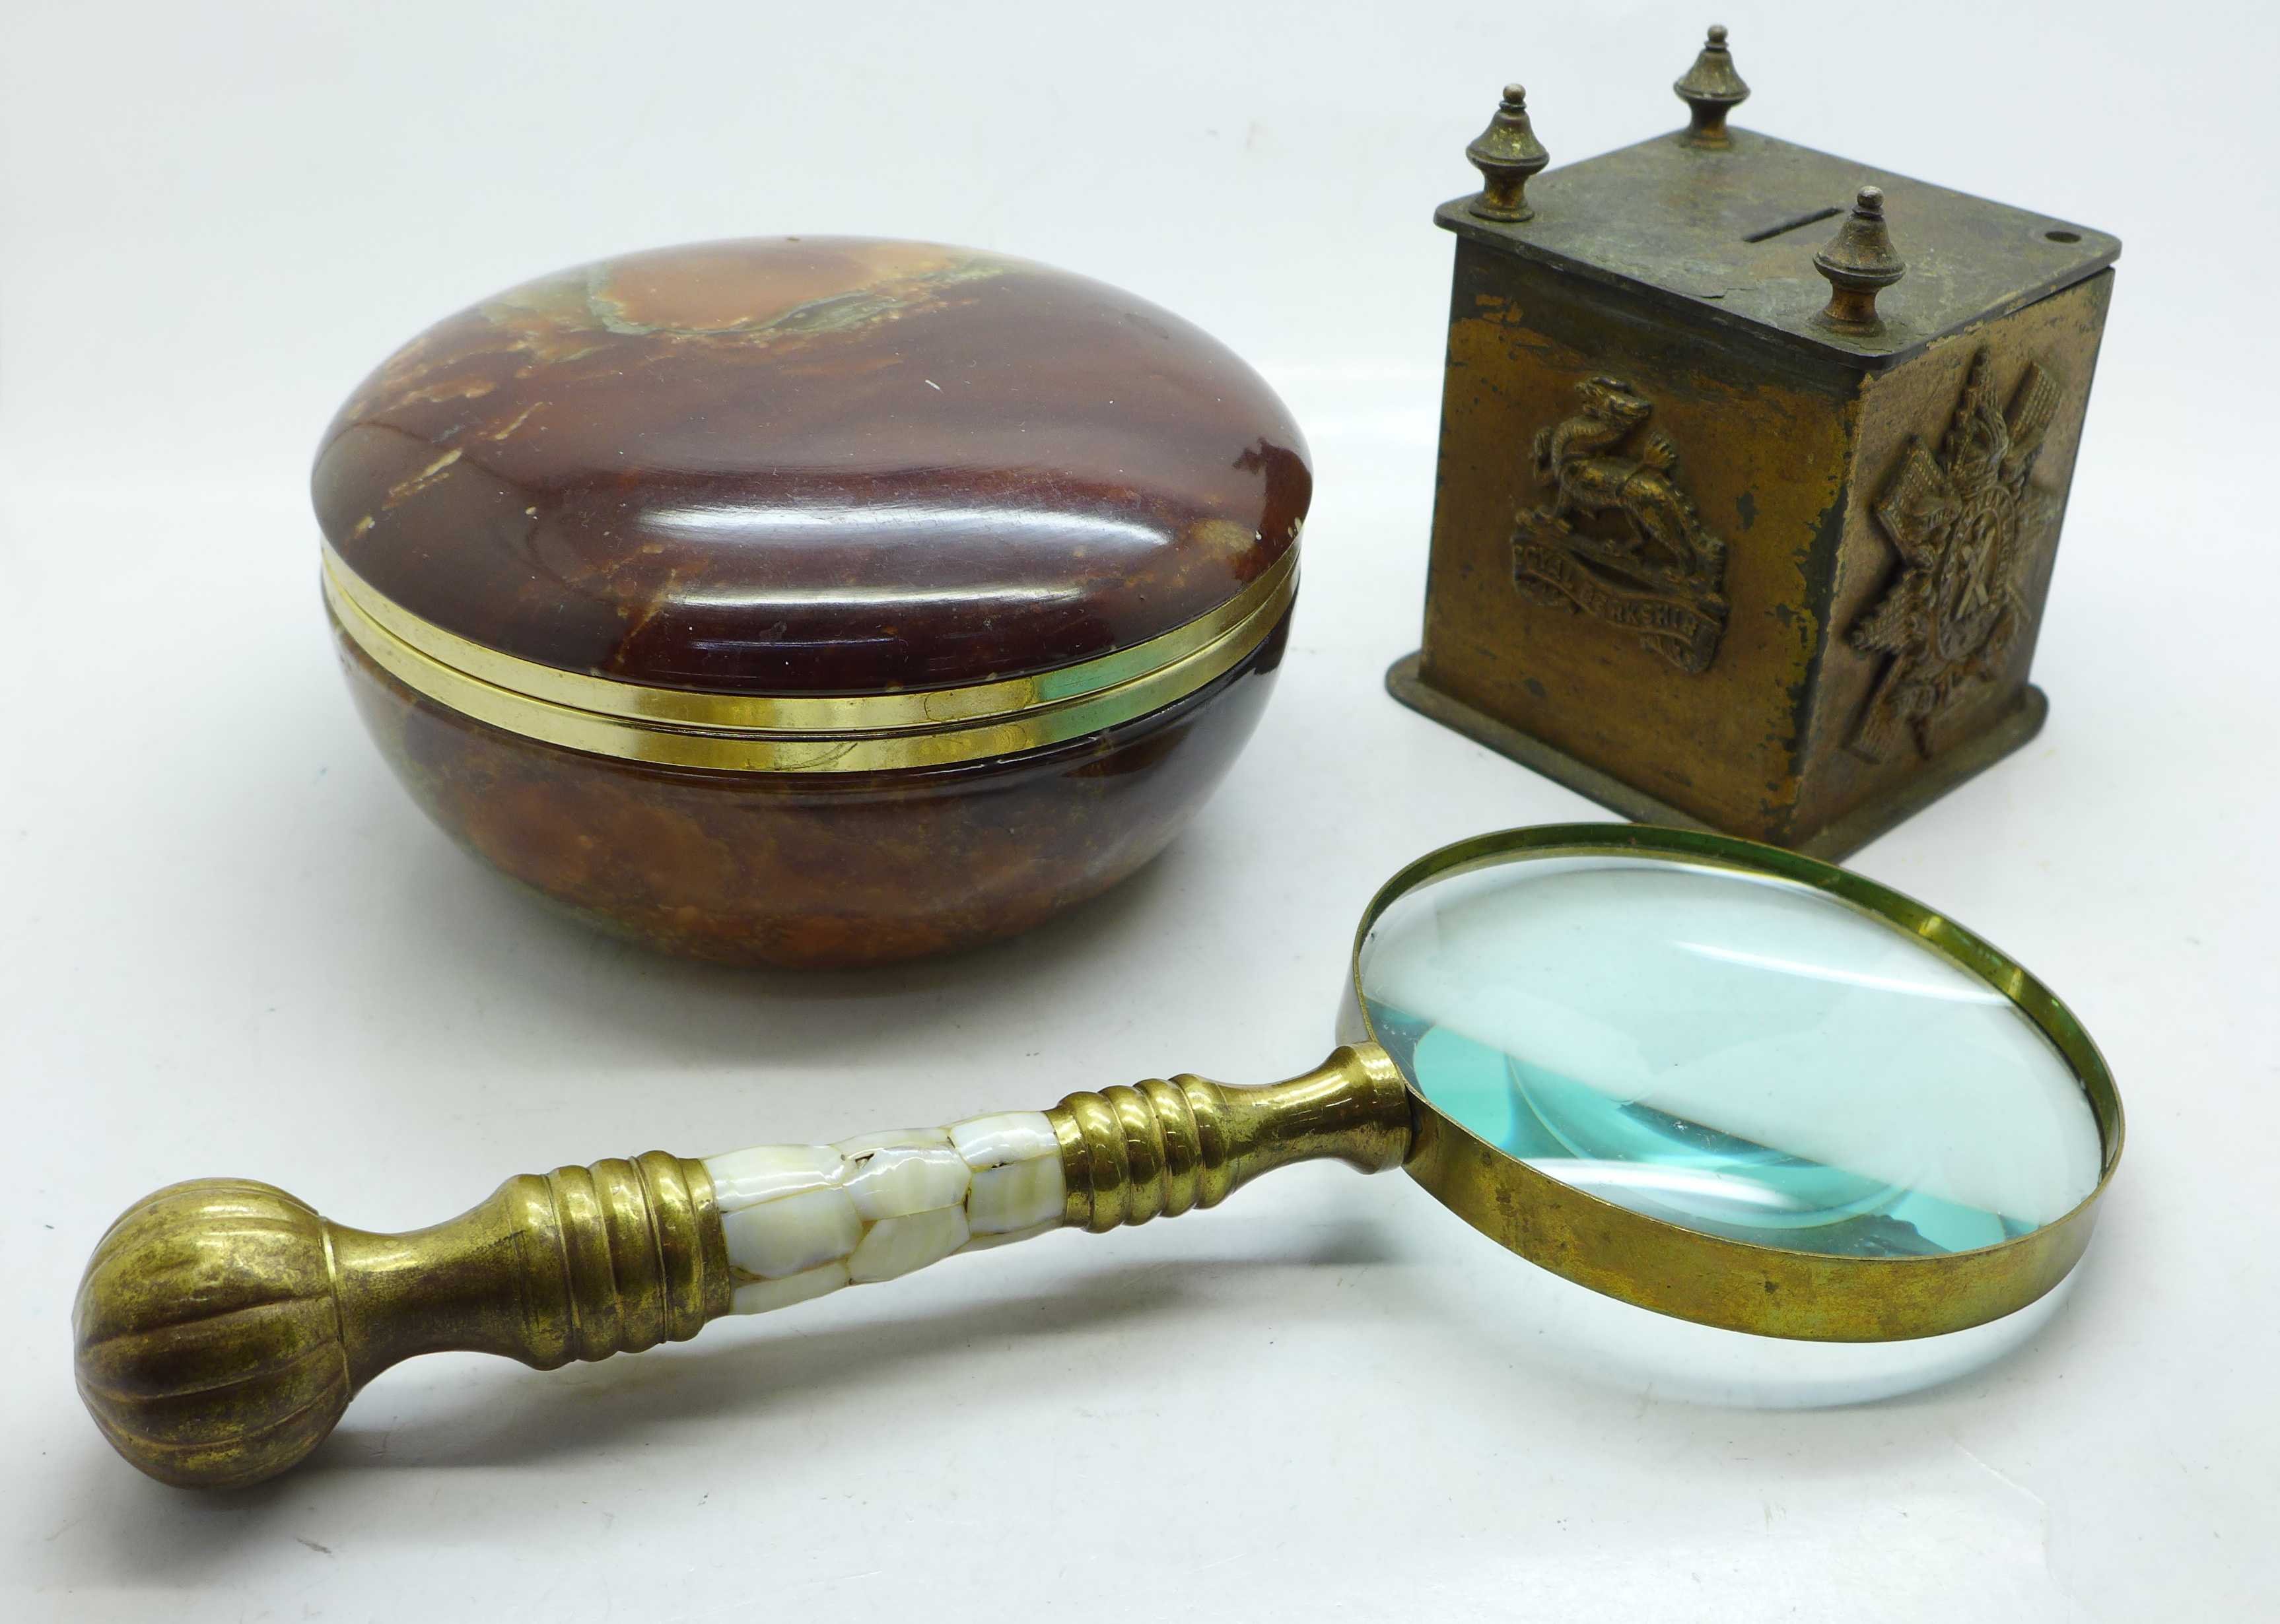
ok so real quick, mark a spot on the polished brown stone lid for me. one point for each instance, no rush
(821, 465)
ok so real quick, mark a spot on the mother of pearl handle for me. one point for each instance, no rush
(222, 1326)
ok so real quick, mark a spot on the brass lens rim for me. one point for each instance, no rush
(763, 733)
(1734, 1285)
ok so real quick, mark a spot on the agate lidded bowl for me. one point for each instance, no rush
(811, 601)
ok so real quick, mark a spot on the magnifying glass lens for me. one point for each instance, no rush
(1731, 1052)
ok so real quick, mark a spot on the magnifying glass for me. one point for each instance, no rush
(1716, 1079)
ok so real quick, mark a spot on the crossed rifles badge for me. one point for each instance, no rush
(1618, 540)
(1962, 525)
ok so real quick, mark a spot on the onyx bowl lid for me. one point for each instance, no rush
(744, 505)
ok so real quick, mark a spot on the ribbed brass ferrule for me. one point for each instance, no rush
(1163, 1148)
(1154, 1150)
(579, 1264)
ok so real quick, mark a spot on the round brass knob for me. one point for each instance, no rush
(208, 1334)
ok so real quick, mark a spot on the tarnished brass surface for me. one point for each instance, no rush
(1506, 154)
(1962, 524)
(1786, 453)
(865, 733)
(1161, 1149)
(1766, 1291)
(1727, 235)
(1711, 89)
(1832, 842)
(1859, 263)
(1658, 568)
(223, 1326)
(1755, 600)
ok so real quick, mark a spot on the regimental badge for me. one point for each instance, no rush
(1618, 540)
(1960, 524)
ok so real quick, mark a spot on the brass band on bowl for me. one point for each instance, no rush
(760, 733)
(1765, 1291)
(894, 713)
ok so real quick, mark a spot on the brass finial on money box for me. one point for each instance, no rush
(1711, 89)
(1506, 153)
(1859, 263)
(1752, 461)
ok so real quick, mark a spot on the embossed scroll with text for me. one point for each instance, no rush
(1619, 541)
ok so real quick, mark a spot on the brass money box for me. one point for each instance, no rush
(1752, 464)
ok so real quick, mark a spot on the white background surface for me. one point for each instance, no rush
(233, 946)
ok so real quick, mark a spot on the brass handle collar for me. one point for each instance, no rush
(1164, 1148)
